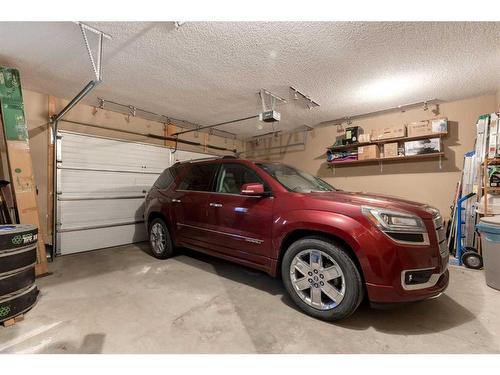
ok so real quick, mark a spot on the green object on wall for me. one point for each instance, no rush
(14, 121)
(10, 84)
(11, 100)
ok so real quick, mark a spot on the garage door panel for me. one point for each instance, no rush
(100, 189)
(84, 183)
(85, 240)
(81, 151)
(100, 212)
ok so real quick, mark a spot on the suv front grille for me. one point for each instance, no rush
(440, 234)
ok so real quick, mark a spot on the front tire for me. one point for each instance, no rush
(160, 240)
(322, 279)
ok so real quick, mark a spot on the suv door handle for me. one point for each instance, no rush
(176, 200)
(215, 205)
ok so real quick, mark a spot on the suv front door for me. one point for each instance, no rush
(240, 224)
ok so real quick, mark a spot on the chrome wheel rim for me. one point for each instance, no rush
(317, 279)
(158, 238)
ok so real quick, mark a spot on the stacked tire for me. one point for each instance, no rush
(18, 292)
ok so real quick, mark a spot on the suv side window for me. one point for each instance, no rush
(166, 178)
(198, 177)
(232, 177)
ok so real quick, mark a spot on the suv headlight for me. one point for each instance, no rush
(391, 221)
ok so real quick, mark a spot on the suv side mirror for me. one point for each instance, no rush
(253, 188)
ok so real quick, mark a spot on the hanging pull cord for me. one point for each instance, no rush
(176, 143)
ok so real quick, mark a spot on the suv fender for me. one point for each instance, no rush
(343, 227)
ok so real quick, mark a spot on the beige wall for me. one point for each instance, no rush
(421, 181)
(36, 106)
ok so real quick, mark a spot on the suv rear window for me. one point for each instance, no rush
(166, 178)
(198, 177)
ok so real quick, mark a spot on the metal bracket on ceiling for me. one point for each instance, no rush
(309, 102)
(169, 121)
(178, 24)
(96, 108)
(132, 111)
(436, 111)
(96, 66)
(96, 63)
(272, 98)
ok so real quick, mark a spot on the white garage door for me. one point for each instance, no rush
(101, 184)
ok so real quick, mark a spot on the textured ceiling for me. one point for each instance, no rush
(209, 72)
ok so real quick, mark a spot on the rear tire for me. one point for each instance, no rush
(322, 279)
(160, 240)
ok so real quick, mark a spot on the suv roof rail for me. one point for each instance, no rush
(206, 159)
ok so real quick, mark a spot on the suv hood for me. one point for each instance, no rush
(374, 200)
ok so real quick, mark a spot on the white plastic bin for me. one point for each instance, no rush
(489, 228)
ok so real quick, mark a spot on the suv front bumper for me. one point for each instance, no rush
(438, 282)
(404, 273)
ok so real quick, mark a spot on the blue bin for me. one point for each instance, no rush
(489, 228)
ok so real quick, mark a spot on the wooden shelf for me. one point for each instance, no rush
(491, 161)
(493, 189)
(382, 160)
(382, 141)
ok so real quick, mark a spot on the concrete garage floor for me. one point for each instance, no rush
(122, 300)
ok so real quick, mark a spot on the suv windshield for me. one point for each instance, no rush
(295, 180)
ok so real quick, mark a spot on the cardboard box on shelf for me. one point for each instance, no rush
(365, 138)
(439, 125)
(416, 129)
(390, 150)
(388, 133)
(423, 146)
(368, 152)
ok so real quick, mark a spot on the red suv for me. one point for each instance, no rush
(330, 247)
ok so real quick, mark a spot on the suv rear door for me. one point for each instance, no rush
(190, 203)
(241, 225)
